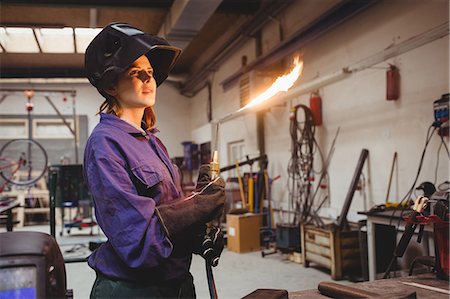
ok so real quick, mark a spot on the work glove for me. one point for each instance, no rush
(206, 203)
(210, 245)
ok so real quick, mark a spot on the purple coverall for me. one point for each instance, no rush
(128, 174)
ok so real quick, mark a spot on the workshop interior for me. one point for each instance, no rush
(328, 120)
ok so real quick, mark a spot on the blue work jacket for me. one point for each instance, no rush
(129, 173)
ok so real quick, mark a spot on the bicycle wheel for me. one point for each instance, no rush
(22, 161)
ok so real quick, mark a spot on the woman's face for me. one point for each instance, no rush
(136, 87)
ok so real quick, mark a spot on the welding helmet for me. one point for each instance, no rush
(118, 45)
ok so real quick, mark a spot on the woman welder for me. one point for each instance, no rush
(151, 228)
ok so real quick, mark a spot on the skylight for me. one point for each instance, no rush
(55, 40)
(46, 40)
(18, 40)
(83, 36)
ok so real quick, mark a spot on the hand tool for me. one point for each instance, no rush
(215, 170)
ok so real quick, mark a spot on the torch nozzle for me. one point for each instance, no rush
(215, 166)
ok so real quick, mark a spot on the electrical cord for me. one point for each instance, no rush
(300, 167)
(408, 194)
(410, 191)
(437, 157)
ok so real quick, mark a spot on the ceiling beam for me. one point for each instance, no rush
(197, 80)
(185, 20)
(162, 4)
(329, 20)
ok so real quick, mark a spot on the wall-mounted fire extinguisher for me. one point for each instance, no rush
(315, 104)
(392, 83)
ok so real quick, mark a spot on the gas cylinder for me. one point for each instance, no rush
(315, 104)
(392, 83)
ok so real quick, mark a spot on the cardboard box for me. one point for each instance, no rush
(243, 232)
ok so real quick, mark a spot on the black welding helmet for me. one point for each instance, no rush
(118, 45)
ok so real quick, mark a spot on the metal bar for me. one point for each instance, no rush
(75, 135)
(38, 90)
(74, 40)
(348, 199)
(3, 48)
(3, 98)
(426, 287)
(325, 171)
(403, 47)
(53, 177)
(248, 161)
(37, 40)
(304, 88)
(60, 115)
(394, 160)
(395, 50)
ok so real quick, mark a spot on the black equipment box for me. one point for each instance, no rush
(288, 237)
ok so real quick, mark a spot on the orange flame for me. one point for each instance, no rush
(282, 83)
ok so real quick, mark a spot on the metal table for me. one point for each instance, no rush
(385, 218)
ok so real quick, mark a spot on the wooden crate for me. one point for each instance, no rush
(335, 250)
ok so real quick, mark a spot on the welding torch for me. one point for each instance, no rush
(419, 205)
(215, 171)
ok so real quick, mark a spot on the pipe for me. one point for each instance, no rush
(329, 20)
(292, 93)
(239, 38)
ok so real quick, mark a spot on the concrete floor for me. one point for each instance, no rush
(236, 275)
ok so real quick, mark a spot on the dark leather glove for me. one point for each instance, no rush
(186, 242)
(181, 215)
(210, 246)
(204, 176)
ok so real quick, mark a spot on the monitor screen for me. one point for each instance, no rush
(18, 282)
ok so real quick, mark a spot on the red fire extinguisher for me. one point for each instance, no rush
(392, 83)
(315, 104)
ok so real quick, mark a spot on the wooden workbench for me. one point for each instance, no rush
(388, 287)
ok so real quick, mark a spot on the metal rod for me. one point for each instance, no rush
(75, 128)
(348, 199)
(248, 161)
(427, 287)
(60, 115)
(390, 176)
(29, 161)
(38, 90)
(303, 88)
(52, 181)
(325, 170)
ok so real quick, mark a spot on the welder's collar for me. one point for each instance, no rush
(113, 120)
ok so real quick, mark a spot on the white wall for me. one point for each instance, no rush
(172, 109)
(357, 104)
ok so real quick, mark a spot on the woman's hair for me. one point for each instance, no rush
(111, 106)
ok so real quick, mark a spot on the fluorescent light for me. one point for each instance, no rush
(18, 40)
(83, 36)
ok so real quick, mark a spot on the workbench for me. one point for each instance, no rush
(386, 218)
(388, 287)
